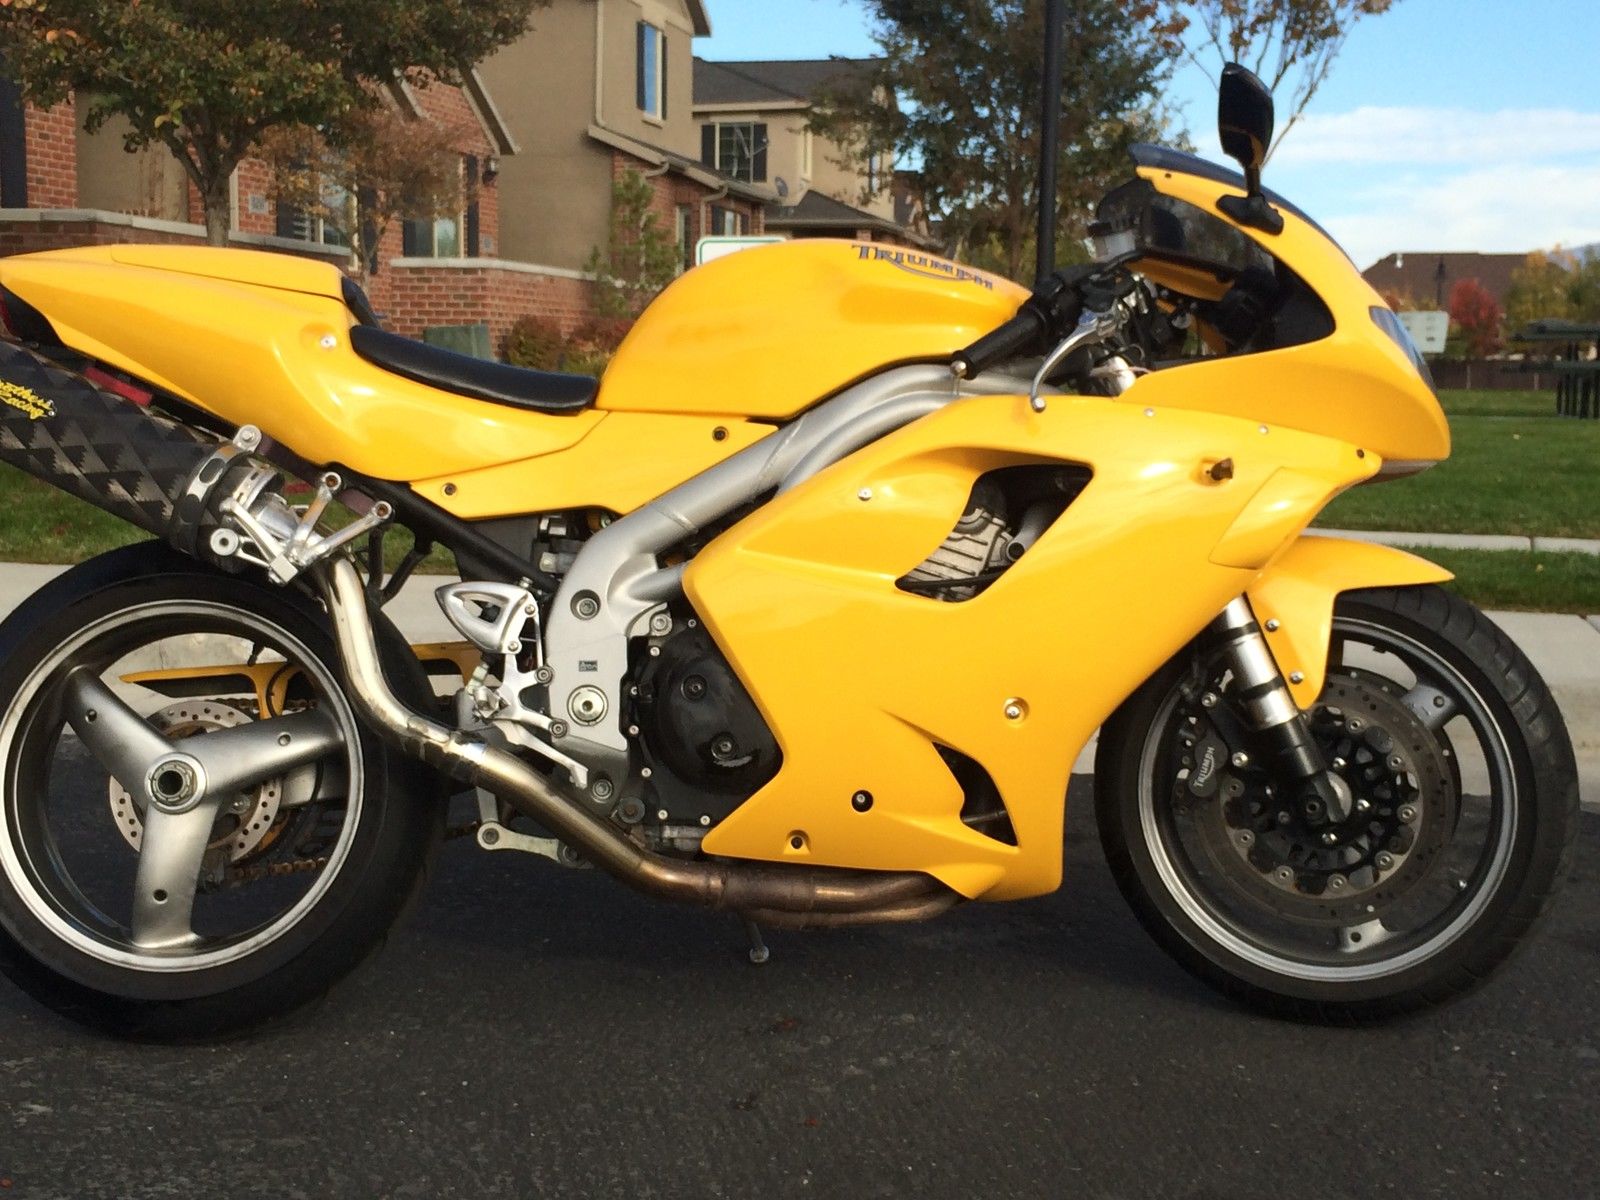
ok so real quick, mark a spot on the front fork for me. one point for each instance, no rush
(1324, 797)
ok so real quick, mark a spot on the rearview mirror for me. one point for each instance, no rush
(1244, 119)
(1244, 123)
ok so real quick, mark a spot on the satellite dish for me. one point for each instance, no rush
(782, 185)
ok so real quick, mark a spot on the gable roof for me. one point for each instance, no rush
(1426, 276)
(816, 211)
(776, 81)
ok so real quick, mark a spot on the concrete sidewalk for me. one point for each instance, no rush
(1465, 541)
(1565, 649)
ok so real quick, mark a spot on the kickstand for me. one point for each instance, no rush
(758, 948)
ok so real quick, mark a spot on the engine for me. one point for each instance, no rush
(1008, 511)
(706, 744)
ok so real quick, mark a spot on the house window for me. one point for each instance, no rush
(685, 231)
(652, 71)
(330, 227)
(449, 235)
(727, 222)
(740, 151)
(874, 173)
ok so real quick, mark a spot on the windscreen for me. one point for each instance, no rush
(1178, 230)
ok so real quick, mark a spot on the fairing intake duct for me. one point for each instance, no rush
(789, 897)
(118, 456)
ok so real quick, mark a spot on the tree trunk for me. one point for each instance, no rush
(218, 199)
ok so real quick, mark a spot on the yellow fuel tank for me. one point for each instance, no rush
(769, 331)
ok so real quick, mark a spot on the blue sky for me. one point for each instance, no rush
(1446, 124)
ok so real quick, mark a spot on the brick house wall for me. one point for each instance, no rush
(51, 139)
(672, 190)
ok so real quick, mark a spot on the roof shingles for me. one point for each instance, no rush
(775, 81)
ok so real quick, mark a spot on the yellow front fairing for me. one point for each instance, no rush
(1356, 384)
(862, 682)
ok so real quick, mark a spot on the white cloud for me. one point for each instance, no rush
(1506, 207)
(1440, 136)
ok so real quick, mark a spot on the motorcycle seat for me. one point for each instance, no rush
(464, 375)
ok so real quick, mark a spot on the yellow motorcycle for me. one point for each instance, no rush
(803, 614)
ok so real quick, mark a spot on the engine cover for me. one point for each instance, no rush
(701, 730)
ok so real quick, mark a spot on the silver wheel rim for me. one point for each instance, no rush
(22, 862)
(1182, 888)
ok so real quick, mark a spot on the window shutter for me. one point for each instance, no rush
(758, 172)
(417, 239)
(662, 40)
(639, 41)
(472, 206)
(366, 201)
(708, 145)
(287, 222)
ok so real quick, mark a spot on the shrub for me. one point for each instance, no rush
(535, 342)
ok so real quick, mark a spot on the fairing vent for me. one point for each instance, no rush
(1008, 510)
(982, 808)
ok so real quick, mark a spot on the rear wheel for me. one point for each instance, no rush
(196, 834)
(1465, 802)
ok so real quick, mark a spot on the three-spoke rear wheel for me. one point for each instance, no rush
(1463, 801)
(195, 832)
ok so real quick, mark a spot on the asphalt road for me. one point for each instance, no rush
(534, 1032)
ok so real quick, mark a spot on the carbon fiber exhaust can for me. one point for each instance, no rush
(116, 455)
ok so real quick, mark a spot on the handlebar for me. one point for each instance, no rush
(1047, 316)
(1016, 337)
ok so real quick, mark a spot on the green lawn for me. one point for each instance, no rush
(41, 524)
(1538, 582)
(1510, 472)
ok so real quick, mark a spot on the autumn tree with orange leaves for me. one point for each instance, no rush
(208, 80)
(1476, 315)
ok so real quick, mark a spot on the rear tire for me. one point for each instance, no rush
(1211, 916)
(63, 938)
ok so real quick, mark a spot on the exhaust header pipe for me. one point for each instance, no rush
(790, 897)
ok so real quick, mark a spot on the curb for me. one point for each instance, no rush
(1466, 541)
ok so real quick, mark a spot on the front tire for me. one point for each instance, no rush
(1467, 784)
(214, 909)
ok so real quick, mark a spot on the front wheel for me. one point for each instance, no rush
(1465, 807)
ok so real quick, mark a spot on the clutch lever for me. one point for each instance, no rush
(1092, 327)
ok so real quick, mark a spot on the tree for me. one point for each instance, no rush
(1541, 290)
(377, 168)
(957, 91)
(640, 257)
(1477, 314)
(1584, 291)
(1290, 44)
(207, 79)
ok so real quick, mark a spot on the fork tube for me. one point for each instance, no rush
(1263, 693)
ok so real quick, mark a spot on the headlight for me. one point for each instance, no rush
(1385, 320)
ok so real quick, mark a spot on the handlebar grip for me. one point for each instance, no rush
(1018, 335)
(1047, 315)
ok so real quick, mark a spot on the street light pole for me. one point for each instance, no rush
(1049, 135)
